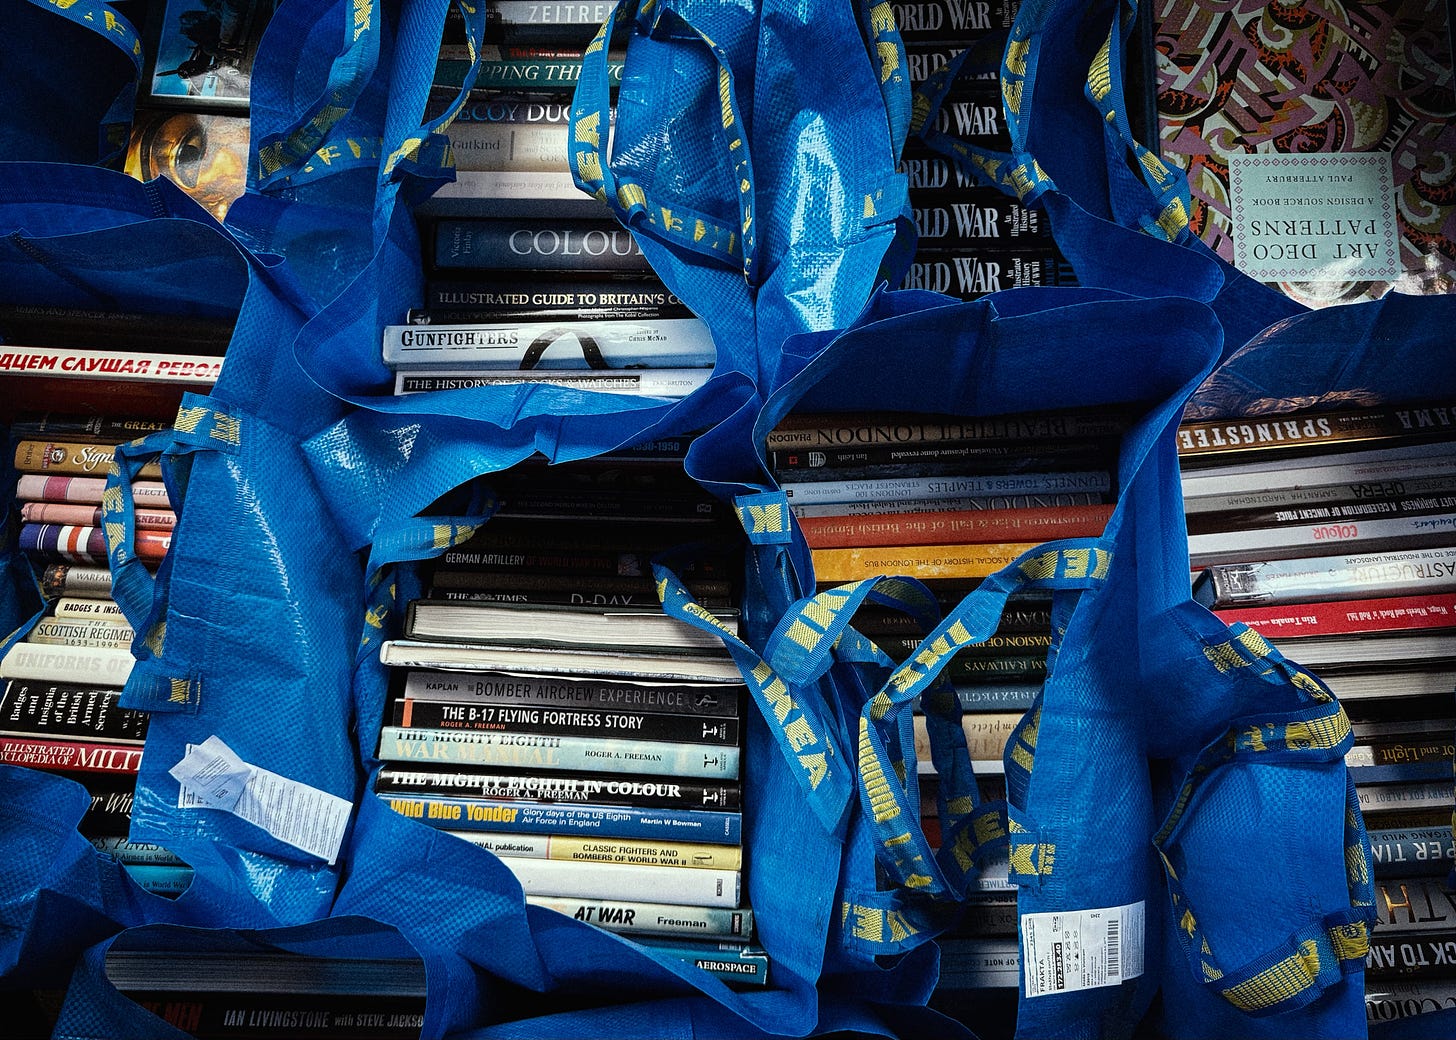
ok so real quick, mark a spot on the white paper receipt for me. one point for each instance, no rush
(1082, 949)
(213, 776)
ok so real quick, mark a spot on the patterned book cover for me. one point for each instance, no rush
(1318, 139)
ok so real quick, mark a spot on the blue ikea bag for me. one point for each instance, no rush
(68, 86)
(79, 236)
(421, 448)
(1393, 350)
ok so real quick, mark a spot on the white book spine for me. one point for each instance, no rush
(1417, 460)
(80, 363)
(662, 382)
(83, 631)
(83, 664)
(1372, 534)
(670, 885)
(550, 346)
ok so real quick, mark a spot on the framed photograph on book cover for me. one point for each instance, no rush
(203, 153)
(1319, 140)
(200, 52)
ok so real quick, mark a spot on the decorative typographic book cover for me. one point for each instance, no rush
(203, 153)
(1319, 139)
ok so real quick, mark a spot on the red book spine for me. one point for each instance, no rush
(1348, 617)
(85, 515)
(71, 755)
(955, 527)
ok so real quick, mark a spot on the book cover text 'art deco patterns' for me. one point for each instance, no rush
(1319, 139)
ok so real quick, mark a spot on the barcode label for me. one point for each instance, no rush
(1082, 949)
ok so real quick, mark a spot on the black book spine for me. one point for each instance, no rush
(961, 21)
(539, 294)
(44, 709)
(566, 722)
(588, 247)
(1419, 954)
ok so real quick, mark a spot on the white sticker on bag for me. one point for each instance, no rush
(1082, 949)
(213, 776)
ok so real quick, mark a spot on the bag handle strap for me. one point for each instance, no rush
(799, 724)
(1322, 951)
(672, 223)
(97, 16)
(202, 424)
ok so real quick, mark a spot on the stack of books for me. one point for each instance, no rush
(949, 500)
(547, 709)
(973, 238)
(1410, 969)
(62, 681)
(1333, 535)
(511, 139)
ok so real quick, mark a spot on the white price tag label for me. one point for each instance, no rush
(1082, 949)
(213, 776)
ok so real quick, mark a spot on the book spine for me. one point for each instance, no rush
(1372, 535)
(660, 382)
(566, 722)
(33, 487)
(983, 457)
(474, 192)
(160, 879)
(669, 343)
(576, 589)
(532, 751)
(859, 430)
(926, 562)
(66, 664)
(739, 963)
(509, 146)
(672, 885)
(587, 789)
(82, 632)
(103, 429)
(558, 503)
(1011, 644)
(1324, 578)
(1420, 954)
(940, 21)
(1347, 617)
(987, 216)
(85, 544)
(959, 525)
(969, 276)
(80, 580)
(228, 1015)
(996, 696)
(1421, 850)
(71, 458)
(607, 821)
(1414, 904)
(588, 247)
(567, 848)
(124, 850)
(931, 488)
(1365, 509)
(87, 607)
(1380, 473)
(568, 561)
(1224, 437)
(1418, 795)
(909, 506)
(109, 813)
(705, 699)
(1394, 750)
(639, 918)
(42, 709)
(1320, 496)
(986, 735)
(549, 597)
(536, 74)
(190, 369)
(1390, 1000)
(447, 299)
(85, 515)
(69, 755)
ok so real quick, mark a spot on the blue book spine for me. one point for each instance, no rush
(1412, 851)
(1400, 772)
(744, 963)
(607, 821)
(537, 751)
